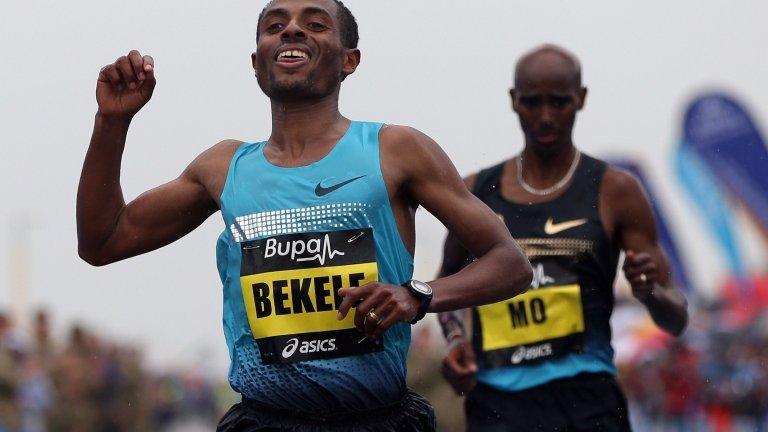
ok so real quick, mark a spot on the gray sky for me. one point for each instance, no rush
(443, 67)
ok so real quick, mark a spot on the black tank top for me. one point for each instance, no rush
(564, 318)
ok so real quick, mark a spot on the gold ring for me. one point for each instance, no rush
(643, 278)
(372, 315)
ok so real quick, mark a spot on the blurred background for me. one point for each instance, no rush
(677, 94)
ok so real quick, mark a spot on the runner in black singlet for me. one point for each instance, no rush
(543, 361)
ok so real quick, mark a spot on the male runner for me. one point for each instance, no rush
(543, 361)
(319, 219)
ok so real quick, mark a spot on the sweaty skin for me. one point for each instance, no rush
(547, 96)
(306, 124)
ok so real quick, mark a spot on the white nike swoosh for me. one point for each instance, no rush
(553, 228)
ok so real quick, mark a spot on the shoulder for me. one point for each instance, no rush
(624, 199)
(619, 183)
(405, 138)
(214, 160)
(412, 151)
(470, 181)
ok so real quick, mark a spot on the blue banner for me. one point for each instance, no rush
(709, 197)
(722, 133)
(667, 242)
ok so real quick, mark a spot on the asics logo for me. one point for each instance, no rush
(531, 353)
(308, 347)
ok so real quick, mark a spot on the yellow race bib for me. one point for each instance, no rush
(290, 287)
(542, 323)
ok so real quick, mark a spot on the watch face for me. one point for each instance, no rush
(421, 287)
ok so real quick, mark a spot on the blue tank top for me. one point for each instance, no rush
(292, 238)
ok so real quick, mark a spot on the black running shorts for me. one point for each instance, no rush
(412, 414)
(586, 402)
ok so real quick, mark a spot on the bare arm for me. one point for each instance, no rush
(645, 264)
(501, 270)
(419, 173)
(108, 229)
(454, 258)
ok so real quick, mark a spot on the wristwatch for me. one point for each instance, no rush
(423, 293)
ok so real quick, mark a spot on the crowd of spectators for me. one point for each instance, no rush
(714, 378)
(87, 383)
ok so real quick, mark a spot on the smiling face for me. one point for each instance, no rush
(300, 54)
(546, 98)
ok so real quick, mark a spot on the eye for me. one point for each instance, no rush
(530, 101)
(560, 101)
(316, 26)
(275, 27)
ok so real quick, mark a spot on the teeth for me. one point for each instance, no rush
(292, 53)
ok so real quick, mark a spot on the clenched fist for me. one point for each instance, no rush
(126, 85)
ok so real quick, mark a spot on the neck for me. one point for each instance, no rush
(543, 169)
(299, 124)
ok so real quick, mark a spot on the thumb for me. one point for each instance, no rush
(629, 255)
(469, 359)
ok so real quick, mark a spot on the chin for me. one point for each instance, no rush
(546, 150)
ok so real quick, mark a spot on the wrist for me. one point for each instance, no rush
(645, 295)
(422, 293)
(113, 120)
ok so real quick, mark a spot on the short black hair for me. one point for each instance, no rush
(347, 25)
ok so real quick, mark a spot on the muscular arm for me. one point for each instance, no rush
(454, 258)
(429, 178)
(108, 229)
(624, 199)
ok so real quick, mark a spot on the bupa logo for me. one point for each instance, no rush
(319, 249)
(531, 353)
(308, 347)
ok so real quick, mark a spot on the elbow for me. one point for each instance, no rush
(521, 275)
(523, 278)
(679, 327)
(92, 257)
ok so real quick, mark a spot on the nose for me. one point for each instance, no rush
(292, 32)
(547, 116)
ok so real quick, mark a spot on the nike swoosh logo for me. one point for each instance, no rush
(553, 228)
(321, 191)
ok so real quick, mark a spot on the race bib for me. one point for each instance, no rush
(542, 323)
(290, 287)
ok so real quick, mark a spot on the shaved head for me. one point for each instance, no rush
(550, 61)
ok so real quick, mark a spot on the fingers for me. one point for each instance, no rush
(460, 376)
(352, 297)
(148, 70)
(632, 259)
(137, 64)
(470, 361)
(109, 74)
(386, 320)
(369, 303)
(129, 71)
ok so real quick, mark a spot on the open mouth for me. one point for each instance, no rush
(292, 56)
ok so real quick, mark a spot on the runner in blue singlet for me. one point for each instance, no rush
(316, 254)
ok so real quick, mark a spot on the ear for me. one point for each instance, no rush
(513, 99)
(253, 62)
(351, 61)
(582, 97)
